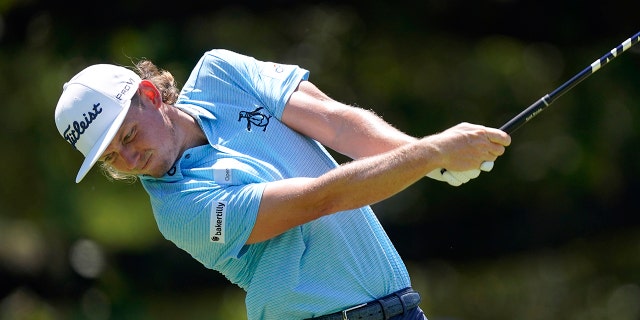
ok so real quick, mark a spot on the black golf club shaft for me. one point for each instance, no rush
(537, 107)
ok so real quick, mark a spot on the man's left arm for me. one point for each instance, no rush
(352, 131)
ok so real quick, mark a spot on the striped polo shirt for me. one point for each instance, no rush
(208, 202)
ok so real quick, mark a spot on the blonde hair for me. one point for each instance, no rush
(162, 79)
(166, 84)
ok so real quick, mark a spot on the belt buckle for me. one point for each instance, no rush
(344, 312)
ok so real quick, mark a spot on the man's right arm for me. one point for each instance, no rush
(293, 202)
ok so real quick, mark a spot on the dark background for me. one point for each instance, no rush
(550, 233)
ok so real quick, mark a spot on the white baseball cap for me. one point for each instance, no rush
(92, 107)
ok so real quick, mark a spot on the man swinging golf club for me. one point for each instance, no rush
(238, 176)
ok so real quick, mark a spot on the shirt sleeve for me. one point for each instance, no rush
(271, 83)
(211, 222)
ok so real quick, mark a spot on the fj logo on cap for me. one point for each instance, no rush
(77, 128)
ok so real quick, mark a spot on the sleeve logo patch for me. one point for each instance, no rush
(274, 70)
(222, 176)
(218, 219)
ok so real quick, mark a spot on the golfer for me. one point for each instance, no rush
(238, 176)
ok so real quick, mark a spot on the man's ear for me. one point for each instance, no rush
(149, 91)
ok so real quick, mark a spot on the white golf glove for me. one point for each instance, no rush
(457, 178)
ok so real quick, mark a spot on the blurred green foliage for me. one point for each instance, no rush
(550, 233)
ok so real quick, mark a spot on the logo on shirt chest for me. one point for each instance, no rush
(255, 118)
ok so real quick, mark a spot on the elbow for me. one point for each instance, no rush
(333, 192)
(331, 203)
(324, 208)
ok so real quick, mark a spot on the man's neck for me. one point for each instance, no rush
(187, 126)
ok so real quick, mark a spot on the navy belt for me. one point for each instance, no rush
(381, 309)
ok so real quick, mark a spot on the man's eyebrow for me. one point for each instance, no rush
(121, 132)
(118, 137)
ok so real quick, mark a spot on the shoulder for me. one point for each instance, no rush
(223, 56)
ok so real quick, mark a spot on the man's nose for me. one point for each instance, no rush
(130, 157)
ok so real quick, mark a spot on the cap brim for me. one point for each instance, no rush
(101, 144)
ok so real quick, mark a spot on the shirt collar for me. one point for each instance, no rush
(202, 116)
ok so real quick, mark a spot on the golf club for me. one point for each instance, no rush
(529, 113)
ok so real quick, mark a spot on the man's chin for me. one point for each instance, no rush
(155, 174)
(160, 172)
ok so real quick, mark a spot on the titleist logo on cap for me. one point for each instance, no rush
(79, 127)
(74, 131)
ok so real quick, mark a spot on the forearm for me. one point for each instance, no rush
(369, 180)
(291, 202)
(375, 178)
(352, 131)
(362, 133)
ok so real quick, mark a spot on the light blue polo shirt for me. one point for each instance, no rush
(207, 204)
